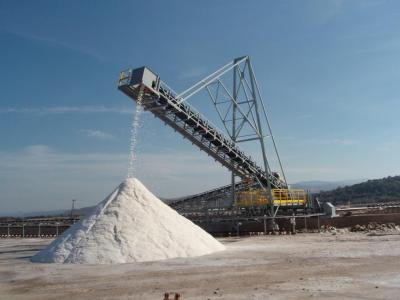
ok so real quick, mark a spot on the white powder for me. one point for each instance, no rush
(130, 225)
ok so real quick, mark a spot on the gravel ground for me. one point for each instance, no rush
(321, 266)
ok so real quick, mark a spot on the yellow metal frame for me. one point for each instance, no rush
(281, 197)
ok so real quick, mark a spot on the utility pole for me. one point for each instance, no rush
(72, 209)
(57, 223)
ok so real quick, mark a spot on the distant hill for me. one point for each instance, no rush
(47, 213)
(316, 186)
(22, 214)
(377, 190)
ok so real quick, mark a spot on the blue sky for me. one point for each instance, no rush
(328, 71)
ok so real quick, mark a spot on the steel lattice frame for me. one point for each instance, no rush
(240, 107)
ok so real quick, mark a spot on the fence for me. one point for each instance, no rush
(32, 230)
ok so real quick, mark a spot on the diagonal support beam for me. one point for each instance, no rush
(186, 94)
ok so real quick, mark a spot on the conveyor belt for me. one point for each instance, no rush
(192, 125)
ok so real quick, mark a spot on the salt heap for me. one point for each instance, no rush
(130, 225)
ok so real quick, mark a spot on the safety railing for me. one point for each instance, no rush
(281, 197)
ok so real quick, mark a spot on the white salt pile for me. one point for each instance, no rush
(130, 225)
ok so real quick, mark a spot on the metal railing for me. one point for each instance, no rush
(193, 125)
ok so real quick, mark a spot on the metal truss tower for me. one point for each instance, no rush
(234, 92)
(241, 110)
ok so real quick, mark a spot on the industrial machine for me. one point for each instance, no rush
(242, 114)
(280, 197)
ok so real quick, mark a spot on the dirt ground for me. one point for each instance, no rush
(320, 266)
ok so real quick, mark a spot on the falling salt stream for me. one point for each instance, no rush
(136, 122)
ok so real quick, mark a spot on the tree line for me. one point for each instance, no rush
(372, 191)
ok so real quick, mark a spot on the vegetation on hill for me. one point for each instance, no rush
(372, 191)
